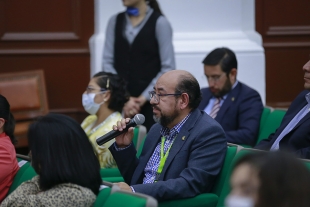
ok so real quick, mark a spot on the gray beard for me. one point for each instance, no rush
(165, 120)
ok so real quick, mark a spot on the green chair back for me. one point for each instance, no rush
(122, 198)
(19, 174)
(102, 197)
(139, 133)
(219, 183)
(272, 122)
(109, 172)
(140, 148)
(263, 118)
(226, 186)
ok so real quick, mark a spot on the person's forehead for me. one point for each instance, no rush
(165, 83)
(243, 173)
(213, 69)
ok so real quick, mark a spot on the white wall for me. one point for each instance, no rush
(200, 26)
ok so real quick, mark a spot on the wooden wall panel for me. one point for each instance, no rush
(285, 28)
(53, 36)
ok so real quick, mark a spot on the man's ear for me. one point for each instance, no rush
(233, 73)
(184, 100)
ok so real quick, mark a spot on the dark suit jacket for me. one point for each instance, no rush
(297, 140)
(194, 161)
(239, 115)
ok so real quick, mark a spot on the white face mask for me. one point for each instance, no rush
(89, 104)
(239, 201)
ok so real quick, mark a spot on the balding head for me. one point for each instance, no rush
(183, 82)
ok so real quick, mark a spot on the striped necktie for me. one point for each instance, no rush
(216, 108)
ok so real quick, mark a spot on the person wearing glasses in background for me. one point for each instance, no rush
(138, 47)
(234, 105)
(104, 100)
(183, 152)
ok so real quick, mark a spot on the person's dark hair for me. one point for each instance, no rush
(284, 180)
(154, 5)
(188, 84)
(5, 113)
(62, 153)
(118, 88)
(224, 57)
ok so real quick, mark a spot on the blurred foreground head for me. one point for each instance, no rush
(61, 153)
(274, 179)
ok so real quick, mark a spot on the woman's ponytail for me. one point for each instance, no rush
(154, 5)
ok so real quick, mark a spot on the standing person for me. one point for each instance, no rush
(67, 168)
(184, 151)
(103, 99)
(139, 48)
(8, 162)
(234, 105)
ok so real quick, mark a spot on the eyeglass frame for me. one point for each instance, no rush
(214, 79)
(155, 95)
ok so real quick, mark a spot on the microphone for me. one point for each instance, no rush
(138, 119)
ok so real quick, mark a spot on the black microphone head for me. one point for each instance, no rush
(139, 119)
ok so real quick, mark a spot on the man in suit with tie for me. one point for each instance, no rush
(294, 131)
(234, 105)
(183, 152)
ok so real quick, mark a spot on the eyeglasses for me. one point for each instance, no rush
(215, 78)
(156, 96)
(90, 89)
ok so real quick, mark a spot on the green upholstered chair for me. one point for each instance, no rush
(23, 164)
(272, 122)
(266, 111)
(124, 198)
(207, 199)
(105, 190)
(226, 186)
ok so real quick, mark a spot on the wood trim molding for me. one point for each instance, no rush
(44, 51)
(285, 44)
(25, 36)
(46, 36)
(288, 30)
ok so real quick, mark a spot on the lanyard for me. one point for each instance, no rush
(163, 157)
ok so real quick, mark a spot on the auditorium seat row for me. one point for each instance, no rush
(270, 121)
(111, 195)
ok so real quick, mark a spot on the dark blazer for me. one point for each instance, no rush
(194, 161)
(297, 140)
(239, 115)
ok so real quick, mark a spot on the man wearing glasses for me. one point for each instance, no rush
(183, 152)
(234, 105)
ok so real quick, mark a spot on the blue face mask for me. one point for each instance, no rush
(132, 11)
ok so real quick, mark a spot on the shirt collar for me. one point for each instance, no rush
(166, 132)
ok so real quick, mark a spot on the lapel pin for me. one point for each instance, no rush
(183, 138)
(233, 99)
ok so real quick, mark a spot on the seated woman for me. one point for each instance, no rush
(104, 99)
(67, 168)
(273, 179)
(8, 162)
